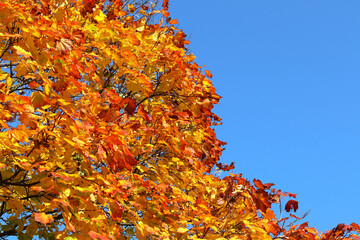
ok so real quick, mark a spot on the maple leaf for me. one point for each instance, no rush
(208, 73)
(43, 218)
(261, 185)
(291, 194)
(64, 45)
(165, 4)
(291, 205)
(116, 210)
(21, 51)
(107, 131)
(131, 106)
(174, 21)
(144, 114)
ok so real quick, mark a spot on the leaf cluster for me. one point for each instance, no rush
(106, 132)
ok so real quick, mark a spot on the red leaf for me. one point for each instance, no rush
(283, 219)
(281, 193)
(303, 225)
(261, 185)
(291, 204)
(355, 226)
(75, 72)
(291, 195)
(206, 111)
(295, 216)
(89, 5)
(116, 210)
(227, 167)
(111, 15)
(258, 184)
(34, 85)
(78, 36)
(340, 227)
(129, 157)
(144, 114)
(165, 4)
(131, 106)
(268, 185)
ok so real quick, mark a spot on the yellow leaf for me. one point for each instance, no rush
(132, 8)
(142, 12)
(47, 89)
(46, 106)
(21, 51)
(3, 75)
(69, 142)
(8, 81)
(100, 16)
(182, 230)
(66, 192)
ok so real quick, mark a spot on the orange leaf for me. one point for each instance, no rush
(270, 214)
(34, 85)
(175, 21)
(43, 218)
(291, 215)
(165, 4)
(208, 73)
(129, 157)
(38, 99)
(116, 210)
(144, 114)
(135, 40)
(258, 184)
(165, 13)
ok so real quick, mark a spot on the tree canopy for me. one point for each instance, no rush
(106, 132)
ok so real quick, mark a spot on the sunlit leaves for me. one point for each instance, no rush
(107, 131)
(64, 45)
(43, 218)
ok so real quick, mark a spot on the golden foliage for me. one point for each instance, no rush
(106, 131)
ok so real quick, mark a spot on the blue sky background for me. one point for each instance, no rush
(288, 72)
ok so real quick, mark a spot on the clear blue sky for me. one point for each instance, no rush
(289, 75)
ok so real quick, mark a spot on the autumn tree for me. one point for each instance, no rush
(106, 132)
